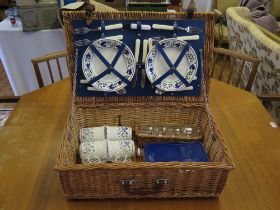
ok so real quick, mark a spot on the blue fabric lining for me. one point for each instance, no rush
(129, 37)
(102, 26)
(138, 27)
(175, 29)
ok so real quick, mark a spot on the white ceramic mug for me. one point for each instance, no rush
(114, 133)
(121, 151)
(103, 151)
(106, 143)
(111, 133)
(92, 134)
(93, 152)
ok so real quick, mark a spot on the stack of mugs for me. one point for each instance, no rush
(106, 144)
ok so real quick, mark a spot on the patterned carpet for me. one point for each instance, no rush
(5, 87)
(5, 90)
(4, 115)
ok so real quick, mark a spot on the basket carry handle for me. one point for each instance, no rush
(158, 187)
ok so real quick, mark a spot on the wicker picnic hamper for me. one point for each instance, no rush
(142, 179)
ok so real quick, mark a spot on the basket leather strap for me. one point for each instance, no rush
(138, 27)
(175, 25)
(102, 29)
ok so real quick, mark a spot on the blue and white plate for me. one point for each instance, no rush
(156, 65)
(93, 66)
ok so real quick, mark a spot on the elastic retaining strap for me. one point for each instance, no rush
(172, 67)
(102, 26)
(109, 66)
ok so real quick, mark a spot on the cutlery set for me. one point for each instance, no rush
(151, 77)
(188, 29)
(86, 42)
(85, 30)
(134, 26)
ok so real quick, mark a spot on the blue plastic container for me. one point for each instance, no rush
(175, 151)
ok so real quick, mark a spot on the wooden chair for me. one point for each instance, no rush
(9, 99)
(270, 101)
(267, 98)
(220, 27)
(231, 63)
(47, 58)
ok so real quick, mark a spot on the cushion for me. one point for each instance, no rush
(267, 5)
(268, 22)
(270, 35)
(261, 15)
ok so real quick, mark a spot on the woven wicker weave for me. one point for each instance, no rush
(142, 179)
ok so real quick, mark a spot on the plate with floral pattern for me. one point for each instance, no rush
(93, 66)
(156, 66)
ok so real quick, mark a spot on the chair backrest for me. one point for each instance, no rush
(9, 99)
(47, 58)
(246, 37)
(228, 66)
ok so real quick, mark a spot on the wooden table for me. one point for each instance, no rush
(30, 141)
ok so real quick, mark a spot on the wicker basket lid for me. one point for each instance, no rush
(70, 16)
